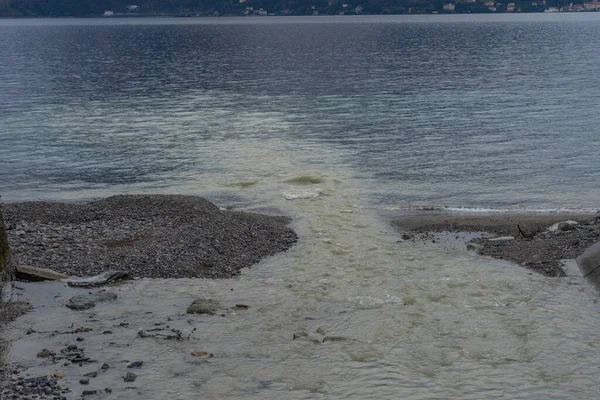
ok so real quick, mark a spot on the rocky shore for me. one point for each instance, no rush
(536, 242)
(141, 236)
(151, 236)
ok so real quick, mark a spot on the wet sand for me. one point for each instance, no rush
(528, 242)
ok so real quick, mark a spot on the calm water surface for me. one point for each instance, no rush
(384, 113)
(487, 111)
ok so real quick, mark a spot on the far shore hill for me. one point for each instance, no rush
(196, 8)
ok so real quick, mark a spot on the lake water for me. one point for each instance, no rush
(381, 114)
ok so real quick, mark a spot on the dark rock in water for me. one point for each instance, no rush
(130, 377)
(135, 364)
(589, 264)
(87, 301)
(89, 392)
(37, 274)
(99, 280)
(91, 374)
(104, 367)
(204, 306)
(84, 381)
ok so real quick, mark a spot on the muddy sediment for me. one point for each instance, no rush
(525, 239)
(151, 236)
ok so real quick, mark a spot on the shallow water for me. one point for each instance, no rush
(417, 321)
(385, 114)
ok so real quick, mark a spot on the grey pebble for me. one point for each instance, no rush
(130, 377)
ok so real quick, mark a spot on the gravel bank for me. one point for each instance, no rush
(154, 236)
(539, 250)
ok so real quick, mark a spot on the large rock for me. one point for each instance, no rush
(4, 252)
(589, 264)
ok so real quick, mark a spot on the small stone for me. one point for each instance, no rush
(104, 367)
(91, 374)
(60, 374)
(89, 392)
(203, 306)
(84, 381)
(130, 377)
(107, 333)
(80, 339)
(44, 354)
(72, 347)
(135, 364)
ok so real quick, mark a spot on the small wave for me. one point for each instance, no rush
(243, 184)
(305, 180)
(302, 194)
(489, 210)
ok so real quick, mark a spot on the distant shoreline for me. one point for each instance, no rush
(150, 16)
